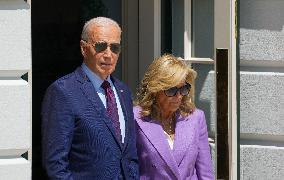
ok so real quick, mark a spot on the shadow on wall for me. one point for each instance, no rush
(262, 14)
(205, 94)
(15, 5)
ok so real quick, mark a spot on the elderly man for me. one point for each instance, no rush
(87, 118)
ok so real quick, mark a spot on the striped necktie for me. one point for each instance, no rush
(112, 111)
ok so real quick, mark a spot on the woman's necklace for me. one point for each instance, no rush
(169, 127)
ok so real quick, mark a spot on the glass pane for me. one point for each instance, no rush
(166, 26)
(203, 28)
(172, 32)
(172, 19)
(178, 28)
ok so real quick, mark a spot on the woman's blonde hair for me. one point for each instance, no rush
(165, 72)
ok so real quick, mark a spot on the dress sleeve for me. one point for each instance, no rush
(203, 164)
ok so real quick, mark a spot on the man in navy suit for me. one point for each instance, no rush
(80, 137)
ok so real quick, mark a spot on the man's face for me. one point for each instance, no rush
(101, 62)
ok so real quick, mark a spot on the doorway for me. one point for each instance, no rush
(56, 30)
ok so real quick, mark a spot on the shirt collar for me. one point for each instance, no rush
(94, 78)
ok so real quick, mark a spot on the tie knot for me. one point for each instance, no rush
(105, 85)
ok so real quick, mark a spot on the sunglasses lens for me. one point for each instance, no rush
(100, 46)
(171, 92)
(115, 48)
(184, 90)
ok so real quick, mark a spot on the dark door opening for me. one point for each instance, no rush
(56, 30)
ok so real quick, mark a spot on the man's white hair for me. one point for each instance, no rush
(97, 21)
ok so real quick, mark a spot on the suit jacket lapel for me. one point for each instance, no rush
(156, 136)
(184, 134)
(90, 93)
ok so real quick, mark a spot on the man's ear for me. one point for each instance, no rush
(83, 47)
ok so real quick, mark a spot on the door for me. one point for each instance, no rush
(56, 30)
(203, 33)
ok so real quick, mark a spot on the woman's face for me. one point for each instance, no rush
(168, 105)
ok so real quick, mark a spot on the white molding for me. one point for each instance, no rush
(225, 37)
(187, 29)
(12, 74)
(200, 60)
(233, 93)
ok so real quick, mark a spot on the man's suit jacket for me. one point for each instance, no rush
(78, 138)
(190, 157)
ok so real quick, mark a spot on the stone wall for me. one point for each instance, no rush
(262, 89)
(15, 93)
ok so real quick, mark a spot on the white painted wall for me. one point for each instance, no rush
(15, 93)
(262, 89)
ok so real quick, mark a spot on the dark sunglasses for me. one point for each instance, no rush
(184, 90)
(102, 46)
